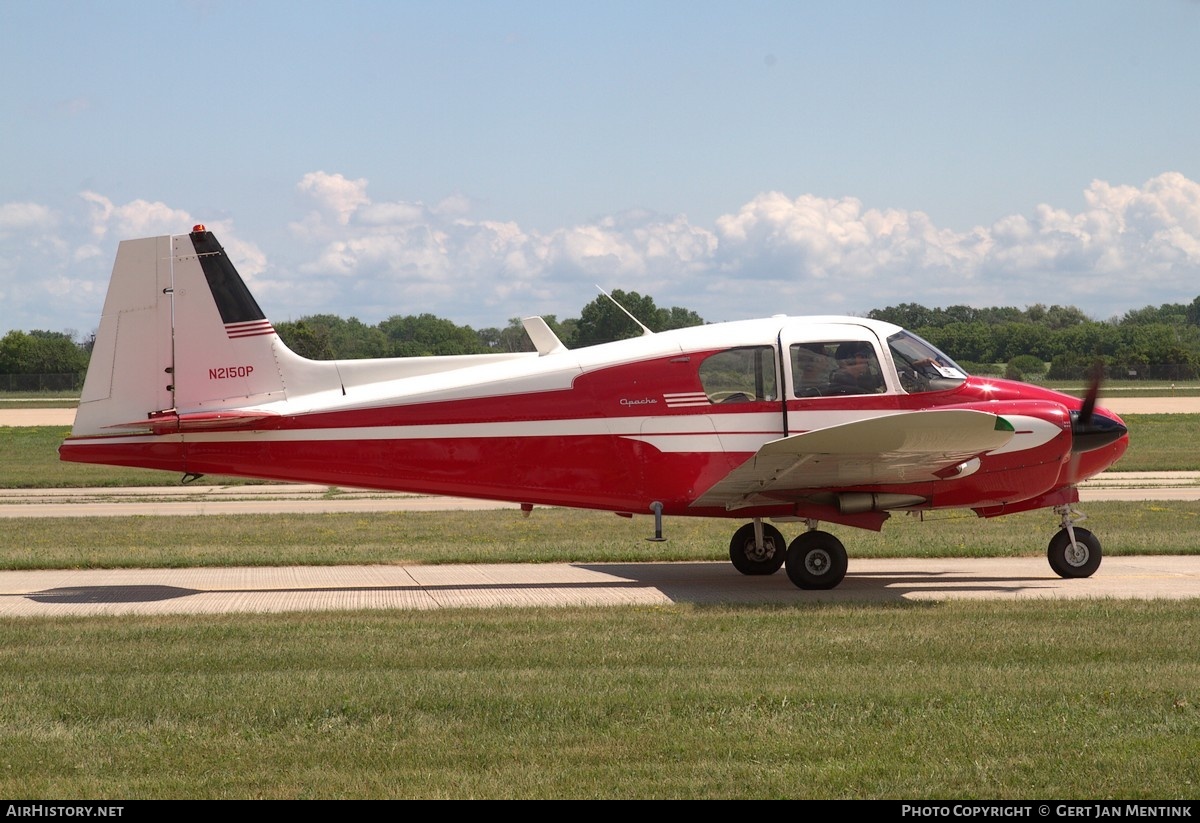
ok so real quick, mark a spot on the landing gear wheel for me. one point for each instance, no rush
(1078, 559)
(816, 560)
(749, 558)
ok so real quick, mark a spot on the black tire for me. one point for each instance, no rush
(816, 560)
(749, 558)
(1080, 559)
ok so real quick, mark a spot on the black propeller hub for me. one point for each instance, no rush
(1091, 431)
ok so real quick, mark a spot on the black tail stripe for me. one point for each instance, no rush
(234, 301)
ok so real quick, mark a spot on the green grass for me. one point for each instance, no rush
(39, 399)
(1128, 388)
(1162, 442)
(956, 700)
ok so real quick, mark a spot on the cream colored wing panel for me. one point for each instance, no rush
(897, 448)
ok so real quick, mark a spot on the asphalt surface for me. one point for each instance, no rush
(284, 589)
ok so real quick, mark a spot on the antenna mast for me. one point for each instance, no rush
(627, 314)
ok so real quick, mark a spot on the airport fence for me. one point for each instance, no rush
(41, 383)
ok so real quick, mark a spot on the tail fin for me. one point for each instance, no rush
(180, 335)
(183, 346)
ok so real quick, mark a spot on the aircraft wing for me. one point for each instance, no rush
(909, 447)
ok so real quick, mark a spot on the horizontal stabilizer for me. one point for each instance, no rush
(168, 422)
(543, 337)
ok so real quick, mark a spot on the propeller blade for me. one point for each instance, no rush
(1091, 431)
(1089, 400)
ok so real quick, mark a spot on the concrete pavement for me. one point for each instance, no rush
(340, 588)
(37, 417)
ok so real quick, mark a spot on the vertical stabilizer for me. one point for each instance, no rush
(180, 334)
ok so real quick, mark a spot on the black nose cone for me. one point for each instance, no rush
(1093, 431)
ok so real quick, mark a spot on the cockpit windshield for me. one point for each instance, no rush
(921, 367)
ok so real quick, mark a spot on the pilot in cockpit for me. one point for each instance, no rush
(858, 369)
(812, 369)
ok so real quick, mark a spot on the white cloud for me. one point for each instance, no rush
(1129, 247)
(138, 218)
(334, 194)
(24, 217)
(391, 214)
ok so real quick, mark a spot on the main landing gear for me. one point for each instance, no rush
(814, 560)
(817, 559)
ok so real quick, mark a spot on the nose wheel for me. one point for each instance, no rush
(1074, 557)
(1073, 552)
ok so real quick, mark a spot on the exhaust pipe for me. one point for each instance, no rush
(859, 502)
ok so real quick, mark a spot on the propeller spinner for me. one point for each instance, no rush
(1091, 431)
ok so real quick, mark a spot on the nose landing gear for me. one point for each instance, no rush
(1073, 552)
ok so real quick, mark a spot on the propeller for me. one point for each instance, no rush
(1091, 431)
(1089, 400)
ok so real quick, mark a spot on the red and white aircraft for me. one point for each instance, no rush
(785, 419)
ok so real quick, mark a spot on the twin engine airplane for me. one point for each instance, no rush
(787, 419)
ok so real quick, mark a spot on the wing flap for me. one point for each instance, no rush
(909, 447)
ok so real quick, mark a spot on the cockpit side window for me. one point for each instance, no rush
(921, 367)
(740, 375)
(835, 367)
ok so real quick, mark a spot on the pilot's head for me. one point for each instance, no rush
(852, 351)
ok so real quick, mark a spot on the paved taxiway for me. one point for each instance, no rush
(223, 590)
(337, 588)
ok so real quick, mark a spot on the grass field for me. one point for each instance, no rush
(1085, 700)
(1052, 700)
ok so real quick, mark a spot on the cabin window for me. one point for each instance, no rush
(740, 375)
(921, 367)
(835, 367)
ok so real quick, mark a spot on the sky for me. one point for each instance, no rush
(482, 160)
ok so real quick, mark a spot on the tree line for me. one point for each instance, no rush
(1160, 343)
(1054, 342)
